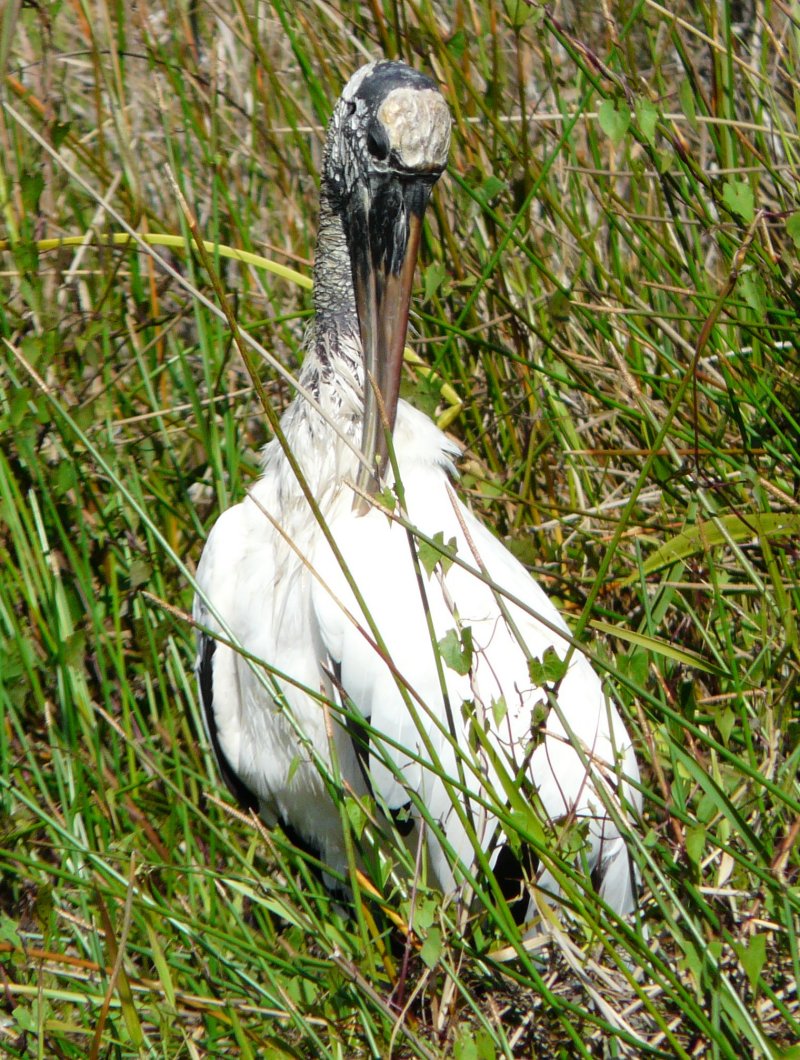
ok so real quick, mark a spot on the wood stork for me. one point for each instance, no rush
(352, 616)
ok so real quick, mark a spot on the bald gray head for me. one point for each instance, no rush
(388, 141)
(390, 120)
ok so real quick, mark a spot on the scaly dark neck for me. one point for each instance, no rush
(333, 365)
(336, 329)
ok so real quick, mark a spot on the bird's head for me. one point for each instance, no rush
(388, 141)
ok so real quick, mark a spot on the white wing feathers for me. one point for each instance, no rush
(497, 691)
(266, 730)
(294, 608)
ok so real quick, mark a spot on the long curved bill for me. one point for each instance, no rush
(383, 253)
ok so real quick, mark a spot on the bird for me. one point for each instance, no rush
(359, 628)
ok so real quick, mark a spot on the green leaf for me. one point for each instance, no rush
(456, 651)
(706, 808)
(657, 646)
(59, 131)
(647, 119)
(550, 669)
(726, 720)
(25, 1018)
(457, 45)
(528, 824)
(488, 191)
(714, 951)
(20, 406)
(140, 573)
(294, 765)
(31, 185)
(519, 12)
(499, 709)
(686, 96)
(432, 279)
(431, 947)
(65, 477)
(705, 535)
(465, 1047)
(474, 1044)
(559, 307)
(663, 160)
(436, 551)
(698, 773)
(753, 290)
(74, 648)
(738, 197)
(753, 957)
(355, 815)
(424, 914)
(9, 929)
(793, 229)
(387, 497)
(695, 842)
(572, 836)
(635, 666)
(613, 122)
(692, 960)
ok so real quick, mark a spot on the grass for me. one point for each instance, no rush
(606, 318)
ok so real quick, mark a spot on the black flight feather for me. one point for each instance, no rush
(205, 678)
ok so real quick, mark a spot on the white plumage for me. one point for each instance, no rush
(269, 578)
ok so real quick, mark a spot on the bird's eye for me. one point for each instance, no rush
(378, 141)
